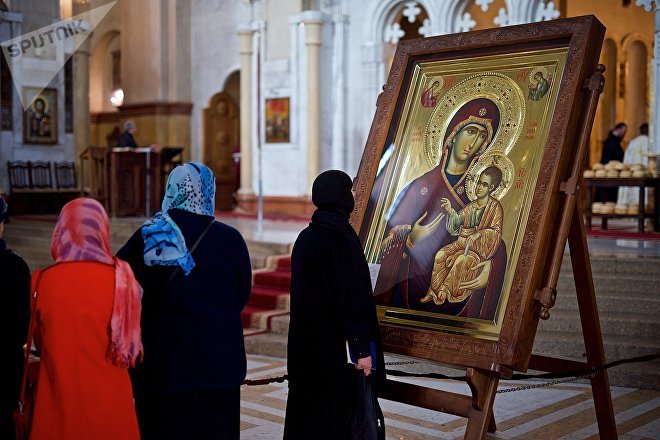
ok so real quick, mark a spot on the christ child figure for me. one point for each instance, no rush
(478, 227)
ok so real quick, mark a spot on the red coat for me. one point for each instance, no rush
(80, 393)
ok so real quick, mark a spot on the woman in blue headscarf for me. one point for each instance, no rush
(194, 357)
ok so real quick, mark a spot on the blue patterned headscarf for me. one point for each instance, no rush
(190, 187)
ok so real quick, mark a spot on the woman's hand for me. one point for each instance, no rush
(364, 364)
(481, 280)
(421, 232)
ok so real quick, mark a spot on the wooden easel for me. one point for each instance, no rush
(478, 408)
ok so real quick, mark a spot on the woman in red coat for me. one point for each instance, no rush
(87, 331)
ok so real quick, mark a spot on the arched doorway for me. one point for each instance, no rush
(221, 142)
(606, 111)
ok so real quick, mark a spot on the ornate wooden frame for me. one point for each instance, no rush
(532, 283)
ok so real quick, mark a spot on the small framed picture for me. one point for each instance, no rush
(277, 120)
(40, 118)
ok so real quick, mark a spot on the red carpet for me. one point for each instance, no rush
(618, 234)
(627, 229)
(270, 296)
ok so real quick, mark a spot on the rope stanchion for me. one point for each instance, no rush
(563, 377)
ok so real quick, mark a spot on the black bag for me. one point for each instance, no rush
(366, 421)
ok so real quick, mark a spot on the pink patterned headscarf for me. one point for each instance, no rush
(82, 233)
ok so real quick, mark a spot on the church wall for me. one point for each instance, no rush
(214, 56)
(101, 126)
(144, 50)
(282, 75)
(353, 71)
(624, 25)
(619, 20)
(153, 37)
(105, 39)
(364, 54)
(27, 16)
(276, 16)
(36, 13)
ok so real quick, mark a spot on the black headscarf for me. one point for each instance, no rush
(331, 192)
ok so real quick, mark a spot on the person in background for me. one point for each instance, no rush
(636, 153)
(612, 150)
(87, 332)
(189, 383)
(331, 304)
(14, 322)
(127, 138)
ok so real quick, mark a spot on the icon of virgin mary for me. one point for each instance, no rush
(417, 228)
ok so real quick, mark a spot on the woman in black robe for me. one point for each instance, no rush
(331, 304)
(612, 150)
(14, 322)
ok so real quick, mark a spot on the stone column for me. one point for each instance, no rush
(313, 37)
(81, 119)
(245, 34)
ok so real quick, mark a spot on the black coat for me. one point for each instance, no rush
(14, 322)
(192, 331)
(331, 303)
(612, 149)
(126, 140)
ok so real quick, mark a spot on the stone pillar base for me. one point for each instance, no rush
(301, 206)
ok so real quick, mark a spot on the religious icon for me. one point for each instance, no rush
(538, 84)
(452, 191)
(429, 95)
(40, 124)
(277, 120)
(425, 217)
(460, 187)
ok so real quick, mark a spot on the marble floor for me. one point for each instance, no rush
(623, 247)
(561, 411)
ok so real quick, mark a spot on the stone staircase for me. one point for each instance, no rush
(628, 299)
(270, 295)
(627, 294)
(31, 240)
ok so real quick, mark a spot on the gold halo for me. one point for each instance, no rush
(439, 79)
(541, 69)
(500, 89)
(45, 101)
(495, 158)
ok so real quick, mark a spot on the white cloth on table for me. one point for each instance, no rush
(637, 152)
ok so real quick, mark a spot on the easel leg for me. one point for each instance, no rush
(492, 426)
(480, 418)
(584, 286)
